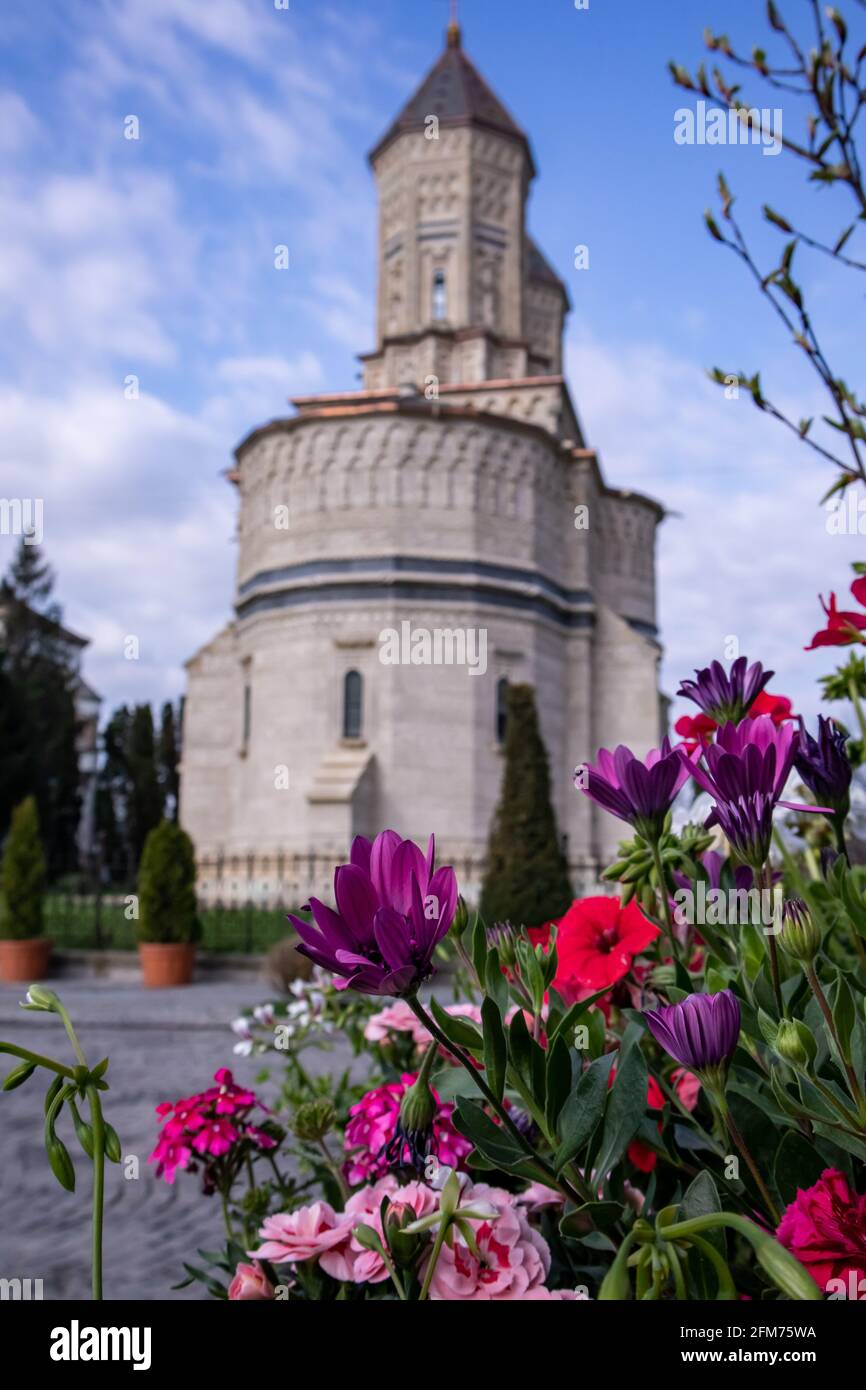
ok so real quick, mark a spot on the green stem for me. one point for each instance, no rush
(37, 1059)
(334, 1169)
(666, 902)
(744, 1149)
(227, 1221)
(434, 1259)
(858, 708)
(853, 1083)
(555, 1181)
(766, 876)
(67, 1024)
(98, 1126)
(726, 1290)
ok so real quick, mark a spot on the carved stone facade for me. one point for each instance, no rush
(453, 494)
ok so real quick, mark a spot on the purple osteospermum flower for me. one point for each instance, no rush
(727, 698)
(392, 909)
(700, 1032)
(746, 771)
(823, 765)
(641, 793)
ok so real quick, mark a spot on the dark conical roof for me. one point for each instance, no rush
(457, 94)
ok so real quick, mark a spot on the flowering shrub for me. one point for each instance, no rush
(658, 1095)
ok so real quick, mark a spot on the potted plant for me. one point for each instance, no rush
(24, 951)
(168, 924)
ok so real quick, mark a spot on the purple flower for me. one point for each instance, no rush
(726, 698)
(746, 771)
(392, 909)
(641, 793)
(823, 765)
(700, 1032)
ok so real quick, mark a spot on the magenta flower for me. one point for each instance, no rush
(373, 1125)
(726, 698)
(206, 1127)
(639, 792)
(392, 910)
(700, 1032)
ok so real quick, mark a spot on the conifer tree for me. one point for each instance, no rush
(526, 874)
(166, 887)
(22, 877)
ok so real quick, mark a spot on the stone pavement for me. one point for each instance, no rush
(162, 1044)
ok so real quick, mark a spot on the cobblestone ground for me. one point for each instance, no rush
(162, 1044)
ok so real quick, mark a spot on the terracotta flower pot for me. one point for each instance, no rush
(24, 961)
(164, 964)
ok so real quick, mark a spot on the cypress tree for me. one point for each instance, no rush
(22, 878)
(169, 756)
(526, 874)
(167, 905)
(145, 806)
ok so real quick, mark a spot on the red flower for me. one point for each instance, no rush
(778, 707)
(596, 942)
(825, 1227)
(697, 730)
(838, 632)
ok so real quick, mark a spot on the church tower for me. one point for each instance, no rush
(451, 507)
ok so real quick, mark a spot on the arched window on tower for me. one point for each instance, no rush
(501, 708)
(440, 297)
(353, 698)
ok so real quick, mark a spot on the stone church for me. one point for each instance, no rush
(410, 548)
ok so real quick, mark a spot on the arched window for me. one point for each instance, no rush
(353, 693)
(501, 708)
(440, 296)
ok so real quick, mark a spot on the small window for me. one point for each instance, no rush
(248, 713)
(501, 708)
(353, 691)
(440, 297)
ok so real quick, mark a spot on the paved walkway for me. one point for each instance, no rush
(162, 1044)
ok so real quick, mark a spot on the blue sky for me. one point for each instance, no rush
(154, 258)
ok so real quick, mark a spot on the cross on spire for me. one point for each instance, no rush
(454, 27)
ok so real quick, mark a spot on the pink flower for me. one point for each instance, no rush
(414, 1199)
(396, 1018)
(206, 1126)
(687, 1086)
(512, 1259)
(825, 1227)
(372, 1123)
(250, 1283)
(544, 1295)
(536, 1196)
(305, 1234)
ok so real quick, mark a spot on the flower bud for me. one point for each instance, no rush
(40, 998)
(314, 1119)
(795, 1044)
(786, 1272)
(403, 1246)
(505, 938)
(61, 1163)
(112, 1144)
(18, 1075)
(461, 917)
(801, 935)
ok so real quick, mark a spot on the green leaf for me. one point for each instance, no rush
(797, 1164)
(495, 1051)
(495, 983)
(479, 949)
(625, 1111)
(601, 1215)
(583, 1110)
(557, 1080)
(572, 1017)
(844, 1015)
(460, 1031)
(491, 1140)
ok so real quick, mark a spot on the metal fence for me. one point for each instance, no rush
(107, 921)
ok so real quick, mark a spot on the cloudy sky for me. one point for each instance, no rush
(153, 258)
